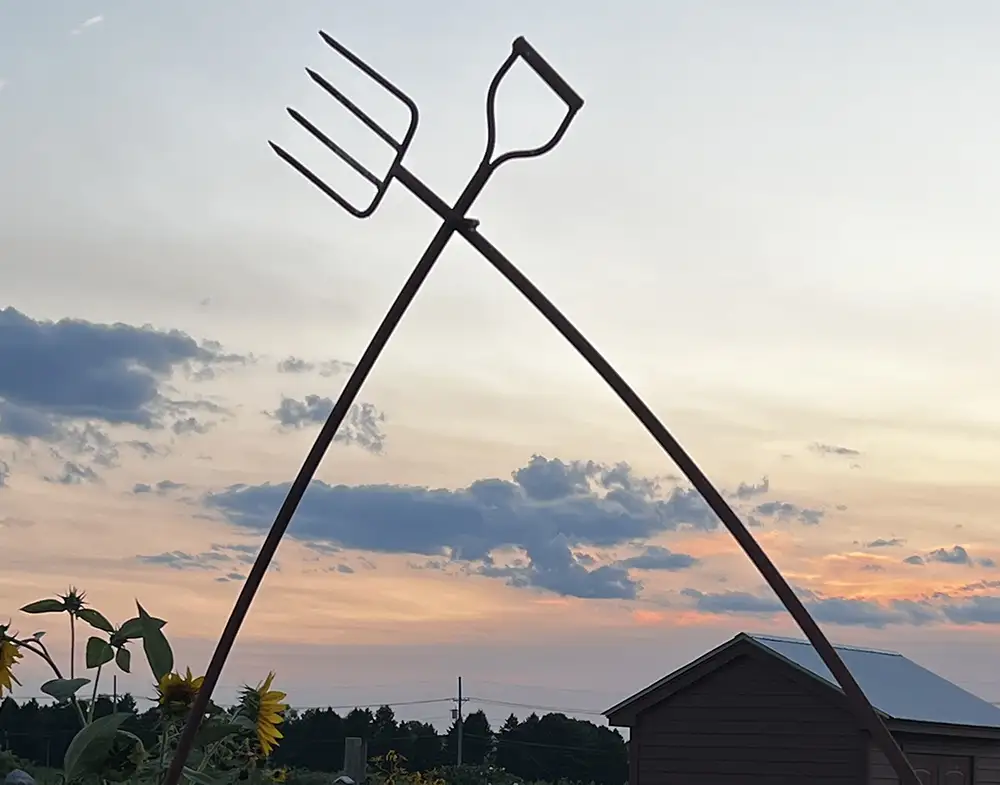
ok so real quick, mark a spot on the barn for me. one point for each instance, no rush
(763, 710)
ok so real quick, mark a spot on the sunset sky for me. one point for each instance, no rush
(779, 222)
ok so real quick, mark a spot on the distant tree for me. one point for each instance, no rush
(477, 739)
(552, 748)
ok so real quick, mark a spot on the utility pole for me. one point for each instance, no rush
(459, 721)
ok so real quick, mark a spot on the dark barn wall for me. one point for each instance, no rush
(754, 721)
(985, 757)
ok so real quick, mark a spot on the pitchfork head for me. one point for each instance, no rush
(399, 145)
(520, 49)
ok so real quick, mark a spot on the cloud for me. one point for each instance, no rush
(544, 513)
(833, 449)
(974, 610)
(74, 370)
(789, 511)
(74, 474)
(885, 543)
(3, 83)
(745, 491)
(161, 488)
(217, 558)
(842, 611)
(726, 602)
(94, 20)
(361, 427)
(4, 473)
(656, 557)
(293, 364)
(180, 560)
(956, 554)
(552, 566)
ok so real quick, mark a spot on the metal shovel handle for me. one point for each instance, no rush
(549, 75)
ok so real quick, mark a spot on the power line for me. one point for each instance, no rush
(547, 687)
(521, 743)
(536, 707)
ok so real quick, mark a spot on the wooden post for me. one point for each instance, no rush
(356, 759)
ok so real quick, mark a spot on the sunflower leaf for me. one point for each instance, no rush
(92, 743)
(132, 629)
(124, 659)
(96, 620)
(98, 652)
(44, 606)
(63, 689)
(154, 643)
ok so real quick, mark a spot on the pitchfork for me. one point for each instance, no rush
(454, 221)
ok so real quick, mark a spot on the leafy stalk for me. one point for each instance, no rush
(42, 652)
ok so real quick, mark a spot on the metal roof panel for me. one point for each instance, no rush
(895, 685)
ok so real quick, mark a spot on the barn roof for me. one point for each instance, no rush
(896, 686)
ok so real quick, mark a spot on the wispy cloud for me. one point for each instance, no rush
(94, 20)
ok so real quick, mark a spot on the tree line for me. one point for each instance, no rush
(549, 748)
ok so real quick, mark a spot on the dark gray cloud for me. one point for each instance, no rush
(849, 612)
(361, 427)
(974, 610)
(956, 554)
(552, 566)
(656, 557)
(547, 511)
(70, 380)
(834, 449)
(324, 368)
(74, 474)
(748, 491)
(726, 602)
(231, 576)
(187, 425)
(885, 543)
(788, 511)
(217, 558)
(74, 369)
(161, 488)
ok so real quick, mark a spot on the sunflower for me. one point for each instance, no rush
(177, 693)
(9, 654)
(264, 708)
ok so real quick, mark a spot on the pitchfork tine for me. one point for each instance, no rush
(303, 170)
(360, 64)
(356, 110)
(345, 156)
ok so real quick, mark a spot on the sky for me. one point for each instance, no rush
(773, 219)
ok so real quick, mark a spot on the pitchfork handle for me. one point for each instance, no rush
(559, 85)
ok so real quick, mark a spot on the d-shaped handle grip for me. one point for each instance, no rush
(548, 74)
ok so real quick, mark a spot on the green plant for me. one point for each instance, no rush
(231, 745)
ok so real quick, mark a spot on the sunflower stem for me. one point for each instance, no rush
(72, 644)
(93, 695)
(163, 754)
